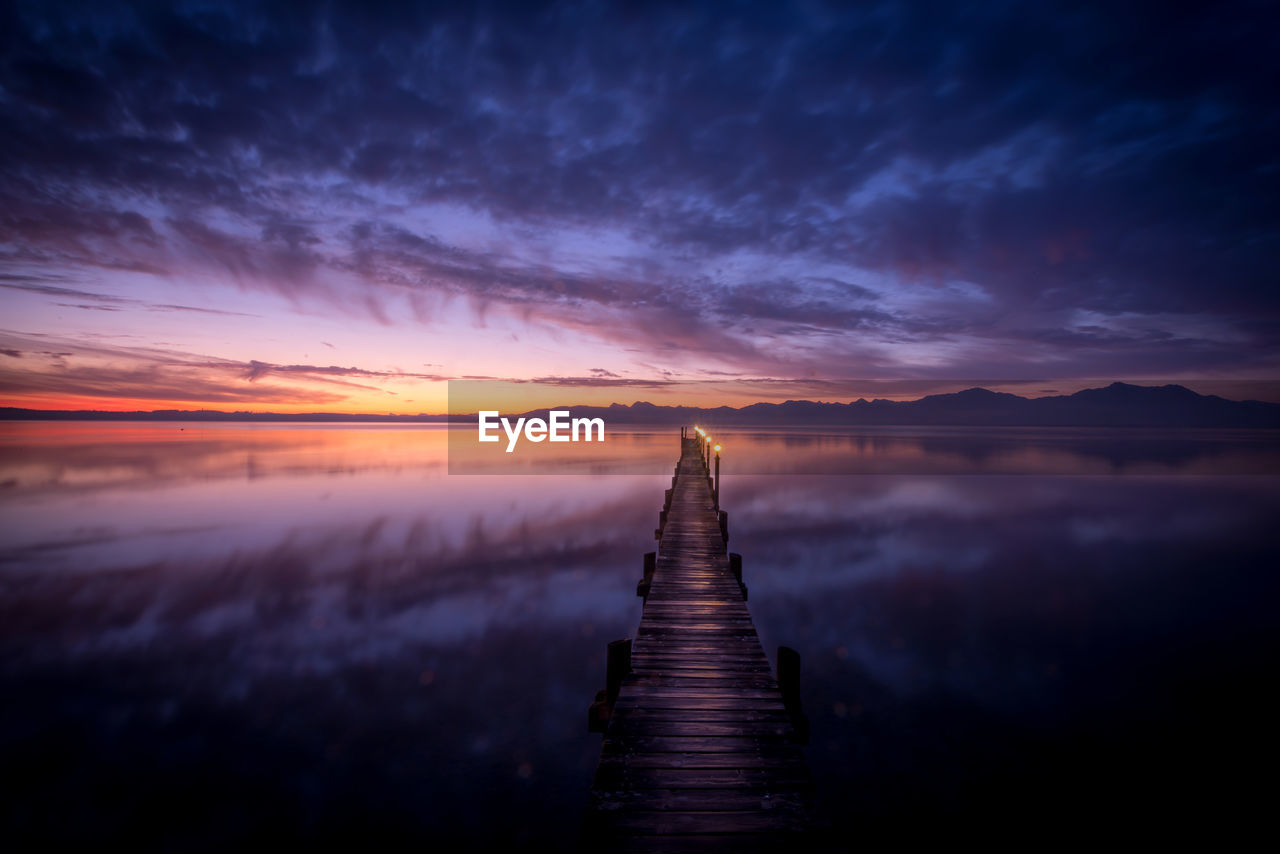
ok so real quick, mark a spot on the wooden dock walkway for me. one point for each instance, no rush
(700, 749)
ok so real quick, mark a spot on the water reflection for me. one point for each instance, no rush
(893, 450)
(248, 631)
(221, 632)
(1043, 652)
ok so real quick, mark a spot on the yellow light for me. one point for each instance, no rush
(717, 449)
(708, 440)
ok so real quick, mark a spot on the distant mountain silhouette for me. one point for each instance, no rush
(1116, 405)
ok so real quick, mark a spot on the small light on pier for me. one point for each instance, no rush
(717, 449)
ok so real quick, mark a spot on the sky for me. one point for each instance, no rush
(340, 207)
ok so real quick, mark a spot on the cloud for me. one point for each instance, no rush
(906, 187)
(156, 382)
(110, 371)
(257, 370)
(197, 310)
(53, 290)
(108, 302)
(602, 382)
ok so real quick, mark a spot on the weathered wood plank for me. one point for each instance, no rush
(756, 843)
(649, 713)
(783, 757)
(648, 693)
(696, 799)
(688, 744)
(699, 822)
(649, 727)
(726, 706)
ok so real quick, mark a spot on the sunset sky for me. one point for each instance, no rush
(332, 207)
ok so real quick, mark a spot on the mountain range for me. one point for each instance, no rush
(1116, 405)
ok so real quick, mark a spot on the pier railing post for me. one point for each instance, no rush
(617, 666)
(646, 581)
(715, 491)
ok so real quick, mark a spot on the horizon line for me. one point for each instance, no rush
(444, 416)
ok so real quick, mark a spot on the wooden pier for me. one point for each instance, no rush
(701, 742)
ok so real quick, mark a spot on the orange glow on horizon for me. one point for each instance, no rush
(73, 403)
(505, 396)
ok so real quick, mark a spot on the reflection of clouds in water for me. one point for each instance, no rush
(976, 451)
(90, 456)
(941, 620)
(547, 563)
(219, 631)
(1008, 641)
(404, 513)
(895, 571)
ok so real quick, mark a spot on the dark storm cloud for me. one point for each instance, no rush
(1113, 159)
(797, 303)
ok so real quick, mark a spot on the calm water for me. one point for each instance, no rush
(213, 633)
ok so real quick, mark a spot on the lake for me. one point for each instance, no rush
(312, 633)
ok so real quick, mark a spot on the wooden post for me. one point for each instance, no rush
(724, 525)
(617, 667)
(599, 712)
(650, 562)
(735, 566)
(716, 490)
